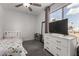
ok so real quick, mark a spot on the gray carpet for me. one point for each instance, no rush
(35, 48)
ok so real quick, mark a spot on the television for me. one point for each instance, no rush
(60, 26)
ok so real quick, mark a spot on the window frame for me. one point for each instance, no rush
(62, 11)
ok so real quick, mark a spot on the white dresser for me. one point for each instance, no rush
(60, 45)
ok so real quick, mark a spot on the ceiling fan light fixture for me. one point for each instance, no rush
(26, 4)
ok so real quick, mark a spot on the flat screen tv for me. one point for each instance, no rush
(60, 27)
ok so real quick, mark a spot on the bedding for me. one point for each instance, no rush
(12, 47)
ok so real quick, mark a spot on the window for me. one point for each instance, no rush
(72, 13)
(57, 15)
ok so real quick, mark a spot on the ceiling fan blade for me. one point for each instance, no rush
(19, 5)
(30, 8)
(35, 4)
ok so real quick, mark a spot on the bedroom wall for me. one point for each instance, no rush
(40, 18)
(21, 22)
(1, 22)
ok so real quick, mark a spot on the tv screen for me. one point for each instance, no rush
(60, 27)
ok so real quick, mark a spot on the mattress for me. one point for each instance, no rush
(12, 47)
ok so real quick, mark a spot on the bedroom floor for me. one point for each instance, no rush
(35, 48)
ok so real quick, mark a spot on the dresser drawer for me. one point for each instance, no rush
(53, 49)
(61, 51)
(52, 40)
(64, 52)
(59, 41)
(46, 43)
(47, 47)
(62, 42)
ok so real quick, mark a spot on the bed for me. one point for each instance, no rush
(11, 45)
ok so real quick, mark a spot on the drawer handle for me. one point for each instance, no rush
(58, 41)
(58, 48)
(47, 48)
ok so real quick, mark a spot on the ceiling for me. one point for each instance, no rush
(36, 10)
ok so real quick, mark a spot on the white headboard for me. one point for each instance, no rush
(12, 35)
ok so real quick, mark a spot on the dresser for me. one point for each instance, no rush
(60, 45)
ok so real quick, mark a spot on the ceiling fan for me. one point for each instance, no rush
(28, 5)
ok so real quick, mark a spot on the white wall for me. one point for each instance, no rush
(40, 18)
(17, 21)
(1, 22)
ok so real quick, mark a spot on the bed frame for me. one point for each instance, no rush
(12, 34)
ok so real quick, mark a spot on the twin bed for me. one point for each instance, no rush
(11, 45)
